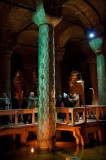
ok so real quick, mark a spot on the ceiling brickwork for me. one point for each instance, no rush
(77, 17)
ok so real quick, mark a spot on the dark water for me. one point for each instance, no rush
(68, 151)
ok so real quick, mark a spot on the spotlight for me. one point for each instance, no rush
(91, 33)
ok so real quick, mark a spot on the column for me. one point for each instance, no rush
(94, 83)
(59, 56)
(101, 72)
(46, 79)
(5, 63)
(46, 88)
(96, 45)
(6, 73)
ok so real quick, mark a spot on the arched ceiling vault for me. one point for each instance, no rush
(77, 17)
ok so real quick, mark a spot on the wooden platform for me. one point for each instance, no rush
(94, 131)
(22, 130)
(80, 129)
(76, 130)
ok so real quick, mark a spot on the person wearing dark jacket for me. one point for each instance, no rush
(32, 103)
(24, 106)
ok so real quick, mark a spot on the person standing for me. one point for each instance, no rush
(6, 102)
(74, 100)
(6, 106)
(24, 106)
(15, 105)
(32, 103)
(15, 102)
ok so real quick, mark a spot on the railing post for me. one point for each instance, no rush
(97, 114)
(16, 117)
(72, 115)
(33, 116)
(23, 137)
(102, 114)
(84, 115)
(67, 116)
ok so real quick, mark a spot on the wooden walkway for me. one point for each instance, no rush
(80, 129)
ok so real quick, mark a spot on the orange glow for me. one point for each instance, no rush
(32, 150)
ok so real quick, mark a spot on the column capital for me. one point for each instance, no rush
(96, 45)
(41, 17)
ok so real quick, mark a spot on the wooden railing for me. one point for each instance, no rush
(16, 112)
(83, 110)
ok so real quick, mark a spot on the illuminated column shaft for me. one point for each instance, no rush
(46, 77)
(101, 74)
(46, 88)
(96, 45)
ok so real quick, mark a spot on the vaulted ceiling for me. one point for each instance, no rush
(18, 31)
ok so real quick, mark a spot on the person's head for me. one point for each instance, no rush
(32, 94)
(59, 97)
(65, 95)
(4, 95)
(72, 94)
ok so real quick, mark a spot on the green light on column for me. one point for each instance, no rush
(95, 44)
(43, 67)
(39, 16)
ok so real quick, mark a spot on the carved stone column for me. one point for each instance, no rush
(96, 45)
(46, 79)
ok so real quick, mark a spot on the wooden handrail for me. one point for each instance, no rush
(84, 109)
(20, 111)
(97, 109)
(17, 112)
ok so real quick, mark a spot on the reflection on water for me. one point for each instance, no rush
(68, 151)
(97, 152)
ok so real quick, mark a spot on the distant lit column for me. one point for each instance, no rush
(96, 44)
(46, 79)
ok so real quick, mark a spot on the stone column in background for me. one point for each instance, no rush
(96, 45)
(6, 72)
(59, 56)
(94, 81)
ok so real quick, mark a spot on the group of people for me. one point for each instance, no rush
(31, 102)
(65, 100)
(5, 104)
(71, 100)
